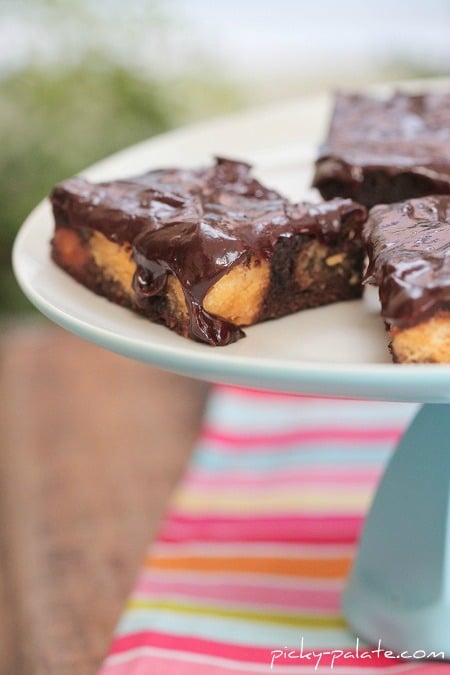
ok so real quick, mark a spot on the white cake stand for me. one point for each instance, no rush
(399, 588)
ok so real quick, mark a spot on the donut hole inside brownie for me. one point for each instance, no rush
(238, 296)
(426, 342)
(307, 273)
(115, 260)
(69, 250)
(106, 268)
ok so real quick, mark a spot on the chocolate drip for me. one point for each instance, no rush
(409, 258)
(196, 226)
(232, 230)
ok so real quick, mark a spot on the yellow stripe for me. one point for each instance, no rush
(254, 503)
(312, 621)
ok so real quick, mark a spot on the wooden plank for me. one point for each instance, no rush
(92, 445)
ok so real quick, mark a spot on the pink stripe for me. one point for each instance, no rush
(300, 599)
(332, 529)
(228, 390)
(244, 653)
(155, 665)
(201, 480)
(349, 435)
(191, 645)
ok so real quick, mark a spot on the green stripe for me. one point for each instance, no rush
(298, 620)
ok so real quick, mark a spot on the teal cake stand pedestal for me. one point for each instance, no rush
(398, 591)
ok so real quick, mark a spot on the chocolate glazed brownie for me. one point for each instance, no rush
(206, 251)
(380, 151)
(409, 260)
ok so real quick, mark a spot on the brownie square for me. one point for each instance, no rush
(207, 251)
(384, 150)
(408, 246)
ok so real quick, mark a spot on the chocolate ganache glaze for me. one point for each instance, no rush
(409, 258)
(197, 225)
(228, 229)
(404, 139)
(121, 209)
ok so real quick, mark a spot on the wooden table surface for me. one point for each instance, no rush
(91, 447)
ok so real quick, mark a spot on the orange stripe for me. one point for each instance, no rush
(324, 568)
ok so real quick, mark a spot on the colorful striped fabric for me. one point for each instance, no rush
(247, 571)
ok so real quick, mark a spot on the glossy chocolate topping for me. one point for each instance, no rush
(121, 209)
(403, 134)
(409, 258)
(196, 225)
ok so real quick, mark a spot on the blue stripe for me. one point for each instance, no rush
(232, 630)
(224, 412)
(206, 459)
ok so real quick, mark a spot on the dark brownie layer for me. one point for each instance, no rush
(409, 258)
(386, 150)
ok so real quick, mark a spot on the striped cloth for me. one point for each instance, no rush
(247, 571)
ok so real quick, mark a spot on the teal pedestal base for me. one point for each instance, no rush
(398, 591)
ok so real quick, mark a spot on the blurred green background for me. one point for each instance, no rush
(80, 79)
(61, 112)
